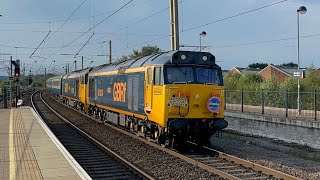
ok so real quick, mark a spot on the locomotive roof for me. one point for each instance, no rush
(77, 73)
(55, 77)
(171, 57)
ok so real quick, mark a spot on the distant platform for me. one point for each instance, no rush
(29, 150)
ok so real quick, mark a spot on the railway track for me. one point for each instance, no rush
(96, 159)
(224, 165)
(231, 167)
(23, 94)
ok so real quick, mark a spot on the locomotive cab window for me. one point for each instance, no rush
(193, 75)
(178, 75)
(158, 76)
(83, 79)
(149, 72)
(208, 75)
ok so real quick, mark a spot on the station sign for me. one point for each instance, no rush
(296, 74)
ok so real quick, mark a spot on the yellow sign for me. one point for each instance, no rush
(100, 92)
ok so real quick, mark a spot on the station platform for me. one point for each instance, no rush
(29, 150)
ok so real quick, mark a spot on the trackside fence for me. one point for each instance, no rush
(275, 103)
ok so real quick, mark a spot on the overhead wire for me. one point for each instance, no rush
(152, 40)
(78, 7)
(145, 18)
(68, 17)
(80, 32)
(243, 13)
(83, 46)
(221, 46)
(90, 29)
(132, 24)
(135, 23)
(73, 19)
(236, 15)
(40, 44)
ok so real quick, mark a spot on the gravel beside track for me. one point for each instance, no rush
(155, 162)
(293, 159)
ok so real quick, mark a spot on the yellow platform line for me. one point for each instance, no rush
(11, 149)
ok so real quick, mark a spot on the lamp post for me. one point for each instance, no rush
(202, 34)
(301, 10)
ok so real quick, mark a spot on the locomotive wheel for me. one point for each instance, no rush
(131, 127)
(163, 140)
(104, 120)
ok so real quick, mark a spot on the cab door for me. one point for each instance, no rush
(82, 91)
(149, 89)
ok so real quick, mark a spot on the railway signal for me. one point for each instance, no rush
(16, 67)
(17, 76)
(17, 71)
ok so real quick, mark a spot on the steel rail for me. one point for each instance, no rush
(221, 155)
(143, 174)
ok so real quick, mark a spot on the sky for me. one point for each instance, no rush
(236, 38)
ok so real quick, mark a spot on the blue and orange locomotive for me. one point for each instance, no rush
(166, 97)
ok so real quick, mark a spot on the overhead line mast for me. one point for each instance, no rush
(174, 25)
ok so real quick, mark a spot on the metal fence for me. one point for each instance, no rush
(276, 103)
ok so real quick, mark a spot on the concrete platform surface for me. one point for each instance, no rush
(29, 150)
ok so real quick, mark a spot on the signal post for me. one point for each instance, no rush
(17, 79)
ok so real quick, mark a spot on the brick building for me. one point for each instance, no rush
(280, 73)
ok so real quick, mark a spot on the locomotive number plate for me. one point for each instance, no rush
(177, 101)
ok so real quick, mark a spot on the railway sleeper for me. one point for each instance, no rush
(245, 174)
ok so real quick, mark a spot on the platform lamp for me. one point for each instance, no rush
(202, 34)
(301, 10)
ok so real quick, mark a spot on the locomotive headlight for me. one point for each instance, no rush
(205, 58)
(183, 57)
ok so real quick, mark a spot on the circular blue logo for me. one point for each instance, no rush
(214, 104)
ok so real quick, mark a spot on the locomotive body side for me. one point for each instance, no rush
(74, 88)
(119, 92)
(162, 96)
(168, 97)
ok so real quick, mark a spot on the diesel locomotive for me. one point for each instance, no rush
(169, 97)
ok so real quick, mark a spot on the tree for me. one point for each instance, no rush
(289, 85)
(258, 65)
(311, 82)
(122, 59)
(145, 51)
(290, 64)
(231, 81)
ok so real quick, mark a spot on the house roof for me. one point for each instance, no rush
(288, 70)
(285, 69)
(248, 70)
